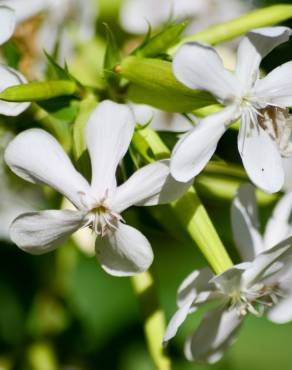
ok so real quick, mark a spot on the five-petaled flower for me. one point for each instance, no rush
(261, 104)
(37, 157)
(261, 284)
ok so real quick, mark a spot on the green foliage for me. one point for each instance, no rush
(111, 59)
(158, 44)
(12, 54)
(55, 71)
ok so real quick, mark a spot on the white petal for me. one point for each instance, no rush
(276, 87)
(279, 226)
(7, 21)
(268, 264)
(214, 335)
(36, 156)
(196, 282)
(172, 122)
(151, 185)
(261, 158)
(10, 77)
(198, 66)
(160, 120)
(195, 149)
(231, 280)
(124, 252)
(42, 232)
(108, 135)
(245, 224)
(281, 313)
(287, 165)
(254, 47)
(177, 320)
(143, 113)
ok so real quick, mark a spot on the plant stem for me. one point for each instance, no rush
(190, 211)
(153, 318)
(236, 27)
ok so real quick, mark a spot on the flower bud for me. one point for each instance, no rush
(37, 91)
(153, 83)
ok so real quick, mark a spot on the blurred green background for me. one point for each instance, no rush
(62, 311)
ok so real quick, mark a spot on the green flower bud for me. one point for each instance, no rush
(37, 91)
(153, 83)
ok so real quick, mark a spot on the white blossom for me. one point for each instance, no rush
(261, 284)
(260, 104)
(37, 157)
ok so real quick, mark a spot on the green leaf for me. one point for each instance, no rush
(58, 72)
(37, 91)
(12, 54)
(239, 26)
(111, 58)
(159, 43)
(153, 83)
(146, 39)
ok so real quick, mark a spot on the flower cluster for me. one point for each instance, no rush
(260, 283)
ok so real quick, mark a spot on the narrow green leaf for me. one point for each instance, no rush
(58, 71)
(111, 58)
(159, 43)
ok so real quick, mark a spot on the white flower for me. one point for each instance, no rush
(260, 104)
(136, 14)
(37, 157)
(262, 284)
(9, 76)
(160, 120)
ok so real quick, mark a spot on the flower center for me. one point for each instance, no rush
(103, 219)
(255, 300)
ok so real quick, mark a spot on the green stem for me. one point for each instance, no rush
(153, 317)
(189, 210)
(236, 27)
